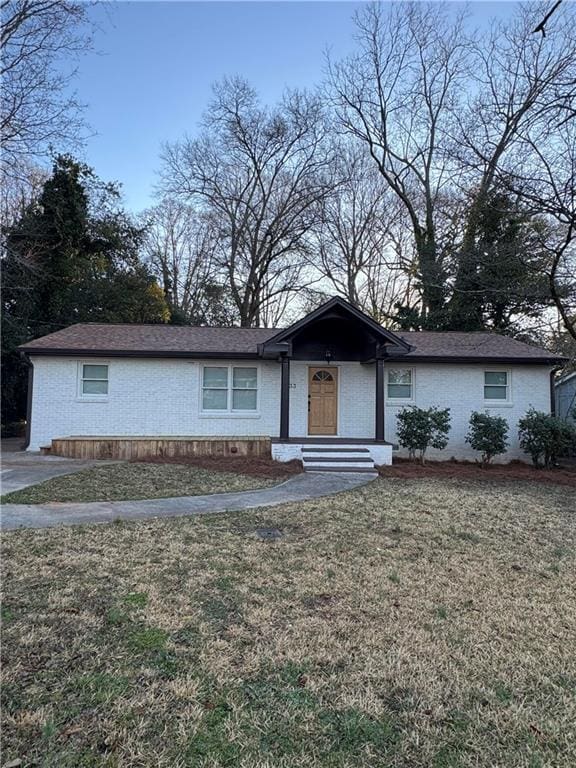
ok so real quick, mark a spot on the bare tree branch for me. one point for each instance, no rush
(37, 109)
(260, 174)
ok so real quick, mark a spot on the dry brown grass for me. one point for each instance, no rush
(408, 623)
(136, 480)
(253, 466)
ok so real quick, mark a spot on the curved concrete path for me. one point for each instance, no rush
(20, 469)
(308, 485)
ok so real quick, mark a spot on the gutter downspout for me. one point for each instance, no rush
(28, 398)
(553, 373)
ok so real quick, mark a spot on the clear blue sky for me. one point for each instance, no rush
(150, 76)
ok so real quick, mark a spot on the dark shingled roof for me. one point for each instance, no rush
(458, 344)
(163, 339)
(183, 341)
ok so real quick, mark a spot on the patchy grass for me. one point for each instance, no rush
(253, 466)
(406, 624)
(124, 481)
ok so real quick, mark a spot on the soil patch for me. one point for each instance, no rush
(515, 470)
(253, 467)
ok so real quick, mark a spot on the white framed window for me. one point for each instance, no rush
(399, 384)
(497, 386)
(93, 380)
(229, 389)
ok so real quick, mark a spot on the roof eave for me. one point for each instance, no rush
(191, 355)
(499, 359)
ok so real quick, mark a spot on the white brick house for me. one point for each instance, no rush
(333, 381)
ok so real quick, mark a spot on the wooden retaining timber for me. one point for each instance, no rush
(130, 448)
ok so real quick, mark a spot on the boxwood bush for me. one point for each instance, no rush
(487, 434)
(421, 428)
(545, 438)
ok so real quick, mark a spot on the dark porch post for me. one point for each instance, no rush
(285, 399)
(379, 400)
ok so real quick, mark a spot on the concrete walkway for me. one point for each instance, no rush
(308, 485)
(21, 469)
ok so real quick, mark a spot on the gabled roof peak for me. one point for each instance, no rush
(324, 310)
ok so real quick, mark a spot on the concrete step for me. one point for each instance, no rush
(362, 459)
(321, 456)
(339, 465)
(326, 449)
(336, 452)
(346, 468)
(341, 458)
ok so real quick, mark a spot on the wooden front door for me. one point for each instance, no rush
(323, 401)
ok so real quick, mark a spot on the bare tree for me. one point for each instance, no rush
(547, 186)
(260, 174)
(180, 246)
(445, 116)
(18, 191)
(523, 84)
(355, 244)
(398, 95)
(36, 109)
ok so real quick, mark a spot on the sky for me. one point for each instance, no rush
(150, 75)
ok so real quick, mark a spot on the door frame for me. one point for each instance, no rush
(338, 399)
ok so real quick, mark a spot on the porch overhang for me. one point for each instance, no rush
(336, 328)
(334, 332)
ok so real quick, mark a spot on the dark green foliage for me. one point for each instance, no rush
(545, 438)
(421, 428)
(498, 268)
(487, 434)
(72, 257)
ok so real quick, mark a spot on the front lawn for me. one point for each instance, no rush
(118, 482)
(407, 624)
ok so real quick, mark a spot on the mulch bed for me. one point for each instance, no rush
(463, 470)
(253, 467)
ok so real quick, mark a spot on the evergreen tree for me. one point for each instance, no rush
(503, 284)
(73, 257)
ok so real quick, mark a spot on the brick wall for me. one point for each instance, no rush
(162, 397)
(461, 388)
(145, 397)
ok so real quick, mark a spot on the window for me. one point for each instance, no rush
(322, 376)
(94, 380)
(399, 384)
(229, 388)
(215, 389)
(496, 385)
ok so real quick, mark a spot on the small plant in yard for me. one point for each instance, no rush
(545, 438)
(487, 434)
(421, 428)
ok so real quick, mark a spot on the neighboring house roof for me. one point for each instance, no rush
(565, 379)
(205, 342)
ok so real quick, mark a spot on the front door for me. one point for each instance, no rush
(322, 401)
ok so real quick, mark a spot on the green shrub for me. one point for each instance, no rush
(545, 437)
(419, 429)
(487, 434)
